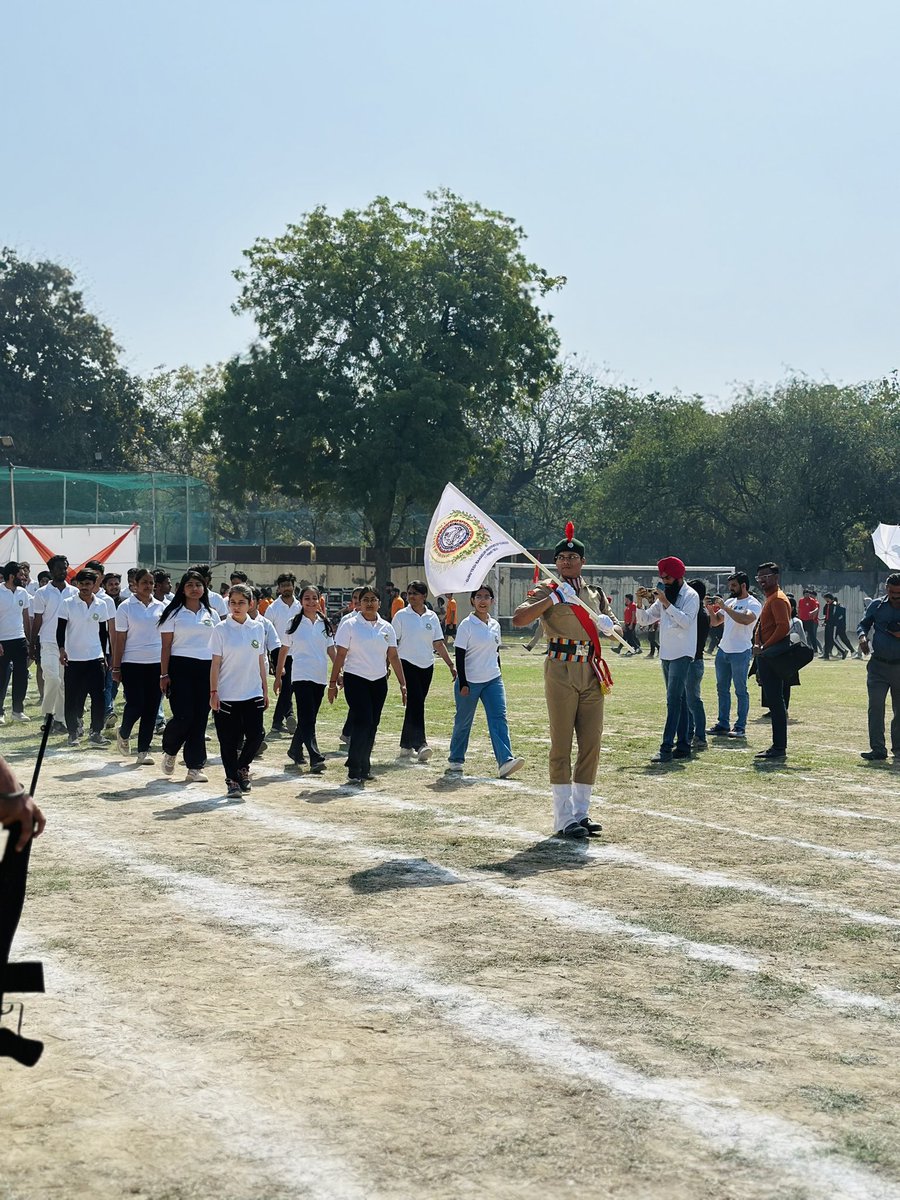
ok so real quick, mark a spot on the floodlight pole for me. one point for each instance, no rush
(153, 502)
(187, 518)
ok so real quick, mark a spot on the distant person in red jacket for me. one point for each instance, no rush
(808, 612)
(629, 624)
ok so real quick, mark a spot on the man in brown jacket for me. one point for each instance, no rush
(572, 689)
(771, 638)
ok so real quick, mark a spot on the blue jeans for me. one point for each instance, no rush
(110, 690)
(696, 711)
(675, 673)
(493, 697)
(733, 669)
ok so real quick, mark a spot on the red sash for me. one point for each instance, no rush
(596, 660)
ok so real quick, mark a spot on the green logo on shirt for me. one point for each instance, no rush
(206, 621)
(255, 643)
(21, 604)
(96, 616)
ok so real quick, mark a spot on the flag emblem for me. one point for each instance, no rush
(458, 536)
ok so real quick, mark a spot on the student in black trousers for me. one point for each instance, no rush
(185, 627)
(138, 650)
(238, 689)
(309, 641)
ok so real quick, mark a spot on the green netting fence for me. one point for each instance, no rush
(173, 511)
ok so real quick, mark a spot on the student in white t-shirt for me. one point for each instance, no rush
(365, 645)
(15, 634)
(185, 628)
(82, 638)
(419, 638)
(136, 659)
(281, 612)
(309, 640)
(238, 688)
(739, 615)
(477, 646)
(45, 606)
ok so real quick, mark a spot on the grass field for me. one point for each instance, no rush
(414, 992)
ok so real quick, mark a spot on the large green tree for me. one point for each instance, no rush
(389, 337)
(64, 395)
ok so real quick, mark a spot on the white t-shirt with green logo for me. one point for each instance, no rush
(192, 632)
(416, 636)
(240, 647)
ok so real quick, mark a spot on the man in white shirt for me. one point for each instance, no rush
(15, 634)
(281, 612)
(675, 606)
(738, 615)
(81, 635)
(45, 606)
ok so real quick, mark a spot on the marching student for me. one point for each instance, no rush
(309, 641)
(419, 638)
(365, 644)
(136, 660)
(219, 604)
(477, 647)
(15, 634)
(238, 689)
(82, 638)
(273, 641)
(352, 610)
(281, 612)
(185, 629)
(45, 606)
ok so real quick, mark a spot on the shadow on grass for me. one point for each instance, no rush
(194, 807)
(549, 854)
(150, 788)
(110, 768)
(398, 873)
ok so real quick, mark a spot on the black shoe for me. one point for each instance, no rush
(771, 753)
(874, 755)
(718, 731)
(594, 828)
(244, 779)
(354, 781)
(685, 752)
(574, 832)
(368, 778)
(661, 758)
(318, 767)
(278, 730)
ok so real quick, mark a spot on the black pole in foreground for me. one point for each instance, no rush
(24, 976)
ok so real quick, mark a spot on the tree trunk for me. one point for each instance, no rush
(381, 552)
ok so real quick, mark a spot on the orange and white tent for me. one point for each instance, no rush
(116, 546)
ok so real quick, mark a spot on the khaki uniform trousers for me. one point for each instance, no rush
(574, 706)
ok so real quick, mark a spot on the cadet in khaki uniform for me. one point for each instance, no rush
(573, 692)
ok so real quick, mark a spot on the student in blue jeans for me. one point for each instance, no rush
(477, 646)
(738, 615)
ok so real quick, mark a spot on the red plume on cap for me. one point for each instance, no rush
(570, 530)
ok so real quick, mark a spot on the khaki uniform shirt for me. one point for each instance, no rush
(559, 621)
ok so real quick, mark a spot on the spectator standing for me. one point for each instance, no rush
(772, 638)
(675, 606)
(808, 609)
(736, 617)
(15, 635)
(882, 620)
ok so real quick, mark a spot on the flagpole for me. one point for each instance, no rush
(614, 636)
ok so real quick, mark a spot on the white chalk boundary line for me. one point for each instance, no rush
(718, 1120)
(810, 809)
(143, 1053)
(571, 914)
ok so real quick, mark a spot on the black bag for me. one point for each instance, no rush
(792, 660)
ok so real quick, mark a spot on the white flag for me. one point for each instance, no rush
(462, 545)
(886, 540)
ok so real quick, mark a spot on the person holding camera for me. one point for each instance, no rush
(571, 614)
(883, 668)
(736, 617)
(675, 605)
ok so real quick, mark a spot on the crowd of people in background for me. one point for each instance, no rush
(203, 651)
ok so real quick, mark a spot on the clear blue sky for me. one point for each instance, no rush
(718, 181)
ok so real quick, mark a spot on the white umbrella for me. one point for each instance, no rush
(886, 540)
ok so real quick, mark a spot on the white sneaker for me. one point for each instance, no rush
(20, 717)
(195, 775)
(143, 759)
(169, 764)
(511, 766)
(122, 744)
(424, 754)
(454, 769)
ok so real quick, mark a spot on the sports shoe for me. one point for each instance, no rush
(661, 757)
(682, 752)
(159, 727)
(233, 791)
(244, 779)
(574, 832)
(195, 775)
(343, 741)
(97, 739)
(143, 759)
(696, 744)
(455, 768)
(74, 739)
(122, 744)
(406, 752)
(354, 781)
(169, 761)
(771, 753)
(80, 730)
(58, 727)
(290, 724)
(276, 731)
(20, 717)
(738, 735)
(874, 755)
(110, 722)
(424, 754)
(318, 767)
(718, 731)
(510, 767)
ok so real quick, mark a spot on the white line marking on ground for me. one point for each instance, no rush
(719, 1120)
(136, 1046)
